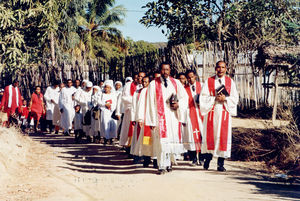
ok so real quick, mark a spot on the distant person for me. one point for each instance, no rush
(11, 100)
(51, 97)
(218, 102)
(182, 78)
(78, 127)
(66, 106)
(36, 107)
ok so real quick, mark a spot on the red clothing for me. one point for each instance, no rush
(15, 101)
(24, 113)
(37, 106)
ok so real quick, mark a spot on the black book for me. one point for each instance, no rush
(222, 90)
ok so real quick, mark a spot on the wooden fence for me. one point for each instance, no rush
(254, 85)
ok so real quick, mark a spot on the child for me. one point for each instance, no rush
(23, 111)
(78, 124)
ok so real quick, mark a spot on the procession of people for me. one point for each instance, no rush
(152, 117)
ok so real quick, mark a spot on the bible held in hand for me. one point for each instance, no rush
(173, 99)
(222, 90)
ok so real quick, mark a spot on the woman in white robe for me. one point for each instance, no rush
(95, 121)
(108, 127)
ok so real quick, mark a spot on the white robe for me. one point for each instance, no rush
(84, 99)
(51, 94)
(141, 149)
(95, 123)
(66, 103)
(188, 134)
(108, 125)
(127, 104)
(165, 148)
(119, 107)
(206, 104)
(134, 110)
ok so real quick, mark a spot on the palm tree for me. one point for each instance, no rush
(96, 25)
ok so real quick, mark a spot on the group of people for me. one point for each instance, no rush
(156, 117)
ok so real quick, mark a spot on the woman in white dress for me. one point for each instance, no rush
(108, 126)
(95, 120)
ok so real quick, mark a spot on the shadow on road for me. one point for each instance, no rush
(109, 159)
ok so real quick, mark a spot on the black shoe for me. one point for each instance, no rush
(206, 164)
(200, 163)
(56, 132)
(221, 169)
(66, 134)
(162, 172)
(169, 169)
(155, 166)
(88, 139)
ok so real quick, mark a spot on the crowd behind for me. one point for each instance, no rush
(109, 112)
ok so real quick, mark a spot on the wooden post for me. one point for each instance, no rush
(275, 98)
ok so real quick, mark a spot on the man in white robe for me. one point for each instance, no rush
(66, 106)
(84, 99)
(135, 100)
(127, 126)
(165, 113)
(218, 102)
(51, 97)
(194, 126)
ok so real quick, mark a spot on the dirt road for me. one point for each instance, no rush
(52, 167)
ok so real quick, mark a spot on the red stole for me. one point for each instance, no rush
(193, 115)
(133, 87)
(210, 118)
(161, 109)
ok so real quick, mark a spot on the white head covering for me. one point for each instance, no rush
(97, 87)
(89, 84)
(86, 81)
(127, 79)
(109, 83)
(119, 82)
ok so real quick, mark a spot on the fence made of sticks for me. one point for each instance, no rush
(253, 84)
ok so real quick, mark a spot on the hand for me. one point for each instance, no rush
(152, 127)
(174, 106)
(52, 101)
(107, 105)
(140, 124)
(2, 109)
(220, 97)
(133, 123)
(118, 117)
(29, 109)
(61, 110)
(184, 124)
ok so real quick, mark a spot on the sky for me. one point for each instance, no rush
(131, 26)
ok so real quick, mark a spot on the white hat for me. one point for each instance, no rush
(97, 87)
(109, 83)
(127, 79)
(118, 82)
(89, 84)
(85, 81)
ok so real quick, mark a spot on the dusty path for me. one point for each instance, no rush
(58, 169)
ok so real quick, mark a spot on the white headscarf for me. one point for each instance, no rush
(127, 79)
(97, 87)
(89, 84)
(109, 83)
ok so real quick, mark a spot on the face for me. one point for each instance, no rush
(101, 84)
(156, 75)
(38, 90)
(118, 86)
(165, 70)
(16, 84)
(135, 78)
(182, 79)
(145, 82)
(77, 83)
(24, 102)
(191, 77)
(140, 77)
(95, 90)
(83, 84)
(221, 69)
(62, 85)
(88, 89)
(69, 83)
(107, 89)
(77, 108)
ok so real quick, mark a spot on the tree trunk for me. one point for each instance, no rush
(275, 98)
(52, 43)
